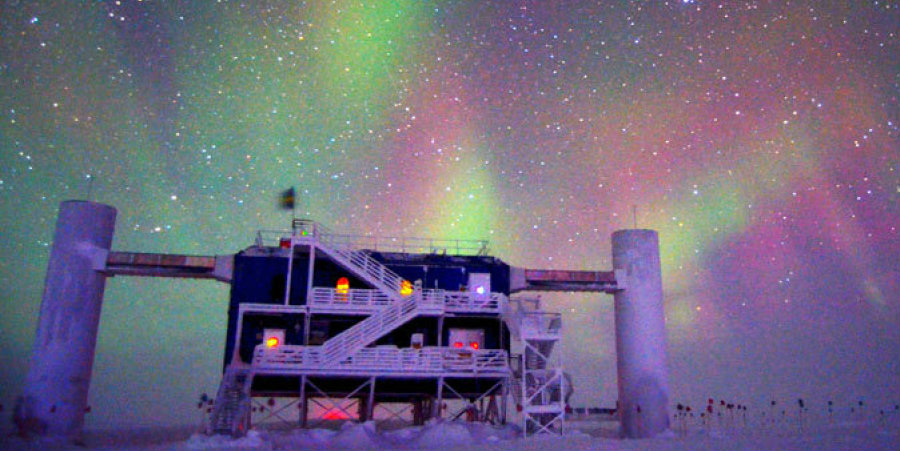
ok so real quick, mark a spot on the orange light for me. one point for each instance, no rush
(342, 288)
(473, 345)
(406, 288)
(272, 342)
(458, 344)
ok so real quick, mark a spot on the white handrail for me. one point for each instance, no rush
(365, 264)
(382, 359)
(370, 329)
(364, 300)
(447, 246)
(539, 324)
(466, 301)
(350, 299)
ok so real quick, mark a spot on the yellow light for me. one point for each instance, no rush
(272, 342)
(406, 288)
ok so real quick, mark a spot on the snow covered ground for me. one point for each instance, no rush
(878, 434)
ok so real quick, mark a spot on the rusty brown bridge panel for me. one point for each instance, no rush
(169, 265)
(522, 279)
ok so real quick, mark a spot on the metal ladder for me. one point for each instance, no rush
(231, 410)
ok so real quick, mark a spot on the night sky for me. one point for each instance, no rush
(760, 138)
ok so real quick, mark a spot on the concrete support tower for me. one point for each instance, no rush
(56, 388)
(640, 335)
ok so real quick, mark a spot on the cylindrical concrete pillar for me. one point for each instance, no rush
(55, 395)
(640, 335)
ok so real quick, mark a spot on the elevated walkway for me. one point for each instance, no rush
(522, 279)
(217, 267)
(433, 302)
(383, 361)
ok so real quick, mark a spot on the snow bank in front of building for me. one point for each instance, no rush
(356, 436)
(253, 440)
(365, 436)
(444, 434)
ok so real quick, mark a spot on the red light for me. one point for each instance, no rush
(272, 342)
(284, 243)
(473, 345)
(335, 414)
(458, 345)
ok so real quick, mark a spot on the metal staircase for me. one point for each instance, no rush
(231, 410)
(377, 325)
(539, 383)
(356, 261)
(393, 314)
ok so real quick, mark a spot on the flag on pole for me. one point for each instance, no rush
(287, 199)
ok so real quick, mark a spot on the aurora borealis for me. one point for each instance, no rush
(760, 138)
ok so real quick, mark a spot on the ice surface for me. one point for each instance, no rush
(874, 434)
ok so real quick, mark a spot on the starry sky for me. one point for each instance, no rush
(760, 138)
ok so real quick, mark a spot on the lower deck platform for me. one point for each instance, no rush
(401, 373)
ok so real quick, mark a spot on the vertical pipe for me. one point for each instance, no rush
(236, 353)
(505, 392)
(310, 272)
(436, 409)
(56, 389)
(307, 323)
(370, 406)
(290, 273)
(304, 407)
(640, 335)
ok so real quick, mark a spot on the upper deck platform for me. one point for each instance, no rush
(301, 228)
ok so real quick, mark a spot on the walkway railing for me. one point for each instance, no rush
(413, 245)
(536, 325)
(357, 300)
(290, 359)
(381, 322)
(366, 266)
(367, 301)
(465, 301)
